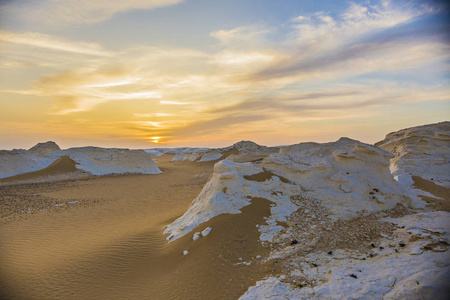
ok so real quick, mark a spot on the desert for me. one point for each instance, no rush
(338, 220)
(224, 149)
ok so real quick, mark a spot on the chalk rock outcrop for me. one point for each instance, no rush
(102, 161)
(16, 162)
(97, 161)
(242, 151)
(19, 161)
(422, 151)
(347, 177)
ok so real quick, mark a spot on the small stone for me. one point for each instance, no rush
(206, 231)
(330, 252)
(416, 251)
(345, 188)
(353, 275)
(381, 199)
(293, 242)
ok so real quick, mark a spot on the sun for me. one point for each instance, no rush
(155, 139)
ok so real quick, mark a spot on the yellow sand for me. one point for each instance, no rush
(109, 244)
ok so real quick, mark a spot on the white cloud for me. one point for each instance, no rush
(240, 34)
(355, 21)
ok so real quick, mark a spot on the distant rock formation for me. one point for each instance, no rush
(44, 148)
(239, 152)
(16, 162)
(95, 160)
(102, 161)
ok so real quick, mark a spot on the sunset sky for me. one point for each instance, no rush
(168, 73)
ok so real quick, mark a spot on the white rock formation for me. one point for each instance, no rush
(248, 147)
(153, 152)
(243, 148)
(16, 162)
(179, 150)
(422, 151)
(20, 161)
(102, 161)
(189, 156)
(347, 177)
(211, 155)
(97, 161)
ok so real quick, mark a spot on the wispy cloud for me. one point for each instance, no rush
(241, 35)
(78, 12)
(40, 40)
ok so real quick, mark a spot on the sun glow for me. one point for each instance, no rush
(155, 139)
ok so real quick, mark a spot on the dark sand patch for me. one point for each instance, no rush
(242, 158)
(263, 176)
(439, 191)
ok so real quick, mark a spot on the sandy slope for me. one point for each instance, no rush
(109, 244)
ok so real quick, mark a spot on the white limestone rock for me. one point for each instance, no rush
(420, 151)
(16, 162)
(315, 171)
(103, 161)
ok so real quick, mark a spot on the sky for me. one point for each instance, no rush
(209, 73)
